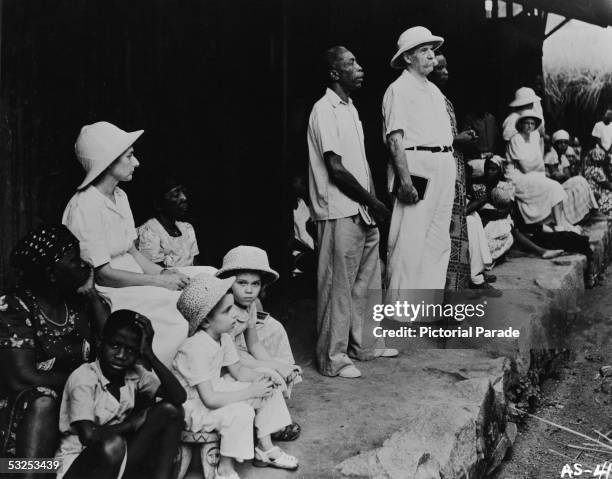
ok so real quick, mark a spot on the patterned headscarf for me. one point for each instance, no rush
(42, 247)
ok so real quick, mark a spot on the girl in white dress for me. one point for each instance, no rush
(99, 215)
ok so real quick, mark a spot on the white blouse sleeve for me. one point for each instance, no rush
(149, 244)
(85, 221)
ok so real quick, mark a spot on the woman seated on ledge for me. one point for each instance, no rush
(99, 215)
(539, 198)
(48, 325)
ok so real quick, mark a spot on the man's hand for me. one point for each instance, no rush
(379, 211)
(408, 194)
(467, 136)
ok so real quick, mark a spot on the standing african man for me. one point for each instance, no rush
(346, 211)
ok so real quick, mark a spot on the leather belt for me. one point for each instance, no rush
(432, 149)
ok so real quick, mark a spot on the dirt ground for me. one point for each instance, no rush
(573, 399)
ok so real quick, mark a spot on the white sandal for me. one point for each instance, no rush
(284, 461)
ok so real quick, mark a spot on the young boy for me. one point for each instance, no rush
(230, 406)
(98, 422)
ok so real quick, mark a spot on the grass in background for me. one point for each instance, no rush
(578, 76)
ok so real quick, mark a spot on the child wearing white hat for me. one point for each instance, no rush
(213, 403)
(261, 339)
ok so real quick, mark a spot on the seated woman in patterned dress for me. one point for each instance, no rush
(167, 239)
(48, 324)
(560, 161)
(599, 176)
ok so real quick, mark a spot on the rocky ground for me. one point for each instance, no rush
(573, 399)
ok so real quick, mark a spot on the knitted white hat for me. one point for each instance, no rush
(200, 296)
(413, 37)
(247, 258)
(98, 145)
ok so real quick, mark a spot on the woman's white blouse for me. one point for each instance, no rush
(104, 228)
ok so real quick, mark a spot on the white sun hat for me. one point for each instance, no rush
(413, 37)
(199, 298)
(529, 114)
(98, 145)
(524, 96)
(247, 258)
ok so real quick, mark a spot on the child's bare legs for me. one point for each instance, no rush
(529, 245)
(161, 432)
(101, 460)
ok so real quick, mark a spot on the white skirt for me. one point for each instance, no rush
(157, 304)
(536, 194)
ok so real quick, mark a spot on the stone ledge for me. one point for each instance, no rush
(434, 413)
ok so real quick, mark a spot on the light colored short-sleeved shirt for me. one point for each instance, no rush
(155, 243)
(334, 126)
(200, 358)
(552, 158)
(86, 398)
(604, 133)
(104, 228)
(419, 110)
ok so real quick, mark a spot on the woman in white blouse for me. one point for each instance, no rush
(539, 198)
(99, 215)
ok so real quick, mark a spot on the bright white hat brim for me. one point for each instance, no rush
(397, 62)
(270, 273)
(99, 166)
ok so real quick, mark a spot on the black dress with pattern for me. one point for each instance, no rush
(57, 348)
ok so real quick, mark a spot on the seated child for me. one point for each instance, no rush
(261, 340)
(98, 421)
(216, 404)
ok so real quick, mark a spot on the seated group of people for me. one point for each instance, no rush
(113, 342)
(532, 196)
